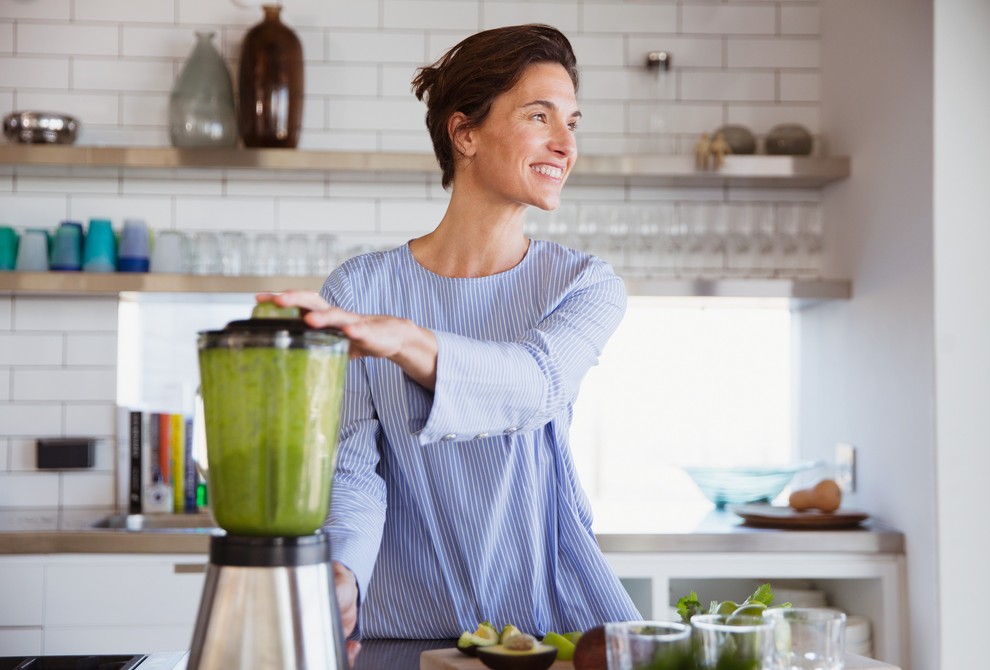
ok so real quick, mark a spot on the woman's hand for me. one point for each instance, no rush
(345, 584)
(412, 348)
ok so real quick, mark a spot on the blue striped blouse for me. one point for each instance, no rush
(463, 504)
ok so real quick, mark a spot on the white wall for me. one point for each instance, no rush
(867, 371)
(962, 323)
(113, 64)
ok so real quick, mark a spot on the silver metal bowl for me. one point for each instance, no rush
(40, 127)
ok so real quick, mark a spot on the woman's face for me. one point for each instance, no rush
(525, 149)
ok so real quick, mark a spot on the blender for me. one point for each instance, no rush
(271, 390)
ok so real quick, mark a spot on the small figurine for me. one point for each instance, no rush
(702, 152)
(720, 149)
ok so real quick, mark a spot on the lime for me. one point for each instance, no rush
(726, 607)
(573, 636)
(750, 609)
(565, 648)
(269, 310)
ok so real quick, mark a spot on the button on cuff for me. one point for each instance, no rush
(449, 437)
(511, 429)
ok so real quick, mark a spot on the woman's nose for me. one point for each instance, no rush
(563, 141)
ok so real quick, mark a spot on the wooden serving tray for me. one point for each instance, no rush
(451, 659)
(776, 516)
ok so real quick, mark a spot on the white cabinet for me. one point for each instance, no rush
(868, 585)
(99, 603)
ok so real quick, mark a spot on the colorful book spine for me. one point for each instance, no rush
(177, 448)
(192, 477)
(165, 447)
(135, 492)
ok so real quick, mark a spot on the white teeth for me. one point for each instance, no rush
(549, 171)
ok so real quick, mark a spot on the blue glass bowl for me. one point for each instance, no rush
(739, 485)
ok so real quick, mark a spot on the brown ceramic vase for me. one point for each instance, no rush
(271, 84)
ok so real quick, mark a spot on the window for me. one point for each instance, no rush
(680, 383)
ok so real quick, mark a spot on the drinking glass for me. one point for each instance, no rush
(736, 642)
(295, 255)
(644, 242)
(647, 645)
(695, 228)
(807, 638)
(168, 252)
(786, 239)
(134, 247)
(233, 253)
(323, 254)
(266, 260)
(100, 247)
(32, 251)
(67, 247)
(590, 225)
(206, 254)
(8, 248)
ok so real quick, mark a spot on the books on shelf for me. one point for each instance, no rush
(161, 471)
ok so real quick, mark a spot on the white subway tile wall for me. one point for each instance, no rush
(58, 371)
(112, 65)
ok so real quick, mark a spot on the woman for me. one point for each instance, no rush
(454, 479)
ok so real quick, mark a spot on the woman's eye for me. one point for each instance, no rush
(539, 116)
(573, 126)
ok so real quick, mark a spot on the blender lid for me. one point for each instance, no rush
(270, 325)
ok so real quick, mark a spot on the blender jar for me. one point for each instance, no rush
(272, 391)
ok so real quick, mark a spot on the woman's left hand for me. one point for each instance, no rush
(413, 348)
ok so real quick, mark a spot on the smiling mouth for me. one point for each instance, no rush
(549, 171)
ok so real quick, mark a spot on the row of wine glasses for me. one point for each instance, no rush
(695, 238)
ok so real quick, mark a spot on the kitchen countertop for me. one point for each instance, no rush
(619, 528)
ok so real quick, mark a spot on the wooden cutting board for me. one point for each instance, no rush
(451, 659)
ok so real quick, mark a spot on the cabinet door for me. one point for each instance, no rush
(24, 641)
(123, 590)
(21, 585)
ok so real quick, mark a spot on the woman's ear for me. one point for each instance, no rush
(460, 134)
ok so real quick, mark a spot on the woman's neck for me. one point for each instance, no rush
(474, 239)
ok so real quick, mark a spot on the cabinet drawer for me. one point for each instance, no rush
(152, 592)
(117, 639)
(21, 586)
(20, 641)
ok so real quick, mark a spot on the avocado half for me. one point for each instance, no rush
(497, 657)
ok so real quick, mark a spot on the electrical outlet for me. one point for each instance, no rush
(845, 467)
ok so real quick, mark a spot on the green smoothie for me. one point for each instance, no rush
(272, 421)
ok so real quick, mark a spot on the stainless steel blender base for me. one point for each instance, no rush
(263, 617)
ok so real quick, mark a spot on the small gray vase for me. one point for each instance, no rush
(201, 108)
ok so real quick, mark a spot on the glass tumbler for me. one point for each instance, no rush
(647, 645)
(206, 254)
(233, 253)
(266, 259)
(295, 255)
(807, 638)
(732, 642)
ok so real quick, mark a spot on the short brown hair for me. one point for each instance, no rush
(481, 67)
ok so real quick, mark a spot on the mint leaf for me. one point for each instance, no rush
(688, 606)
(764, 595)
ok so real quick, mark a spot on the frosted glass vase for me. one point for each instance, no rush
(201, 107)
